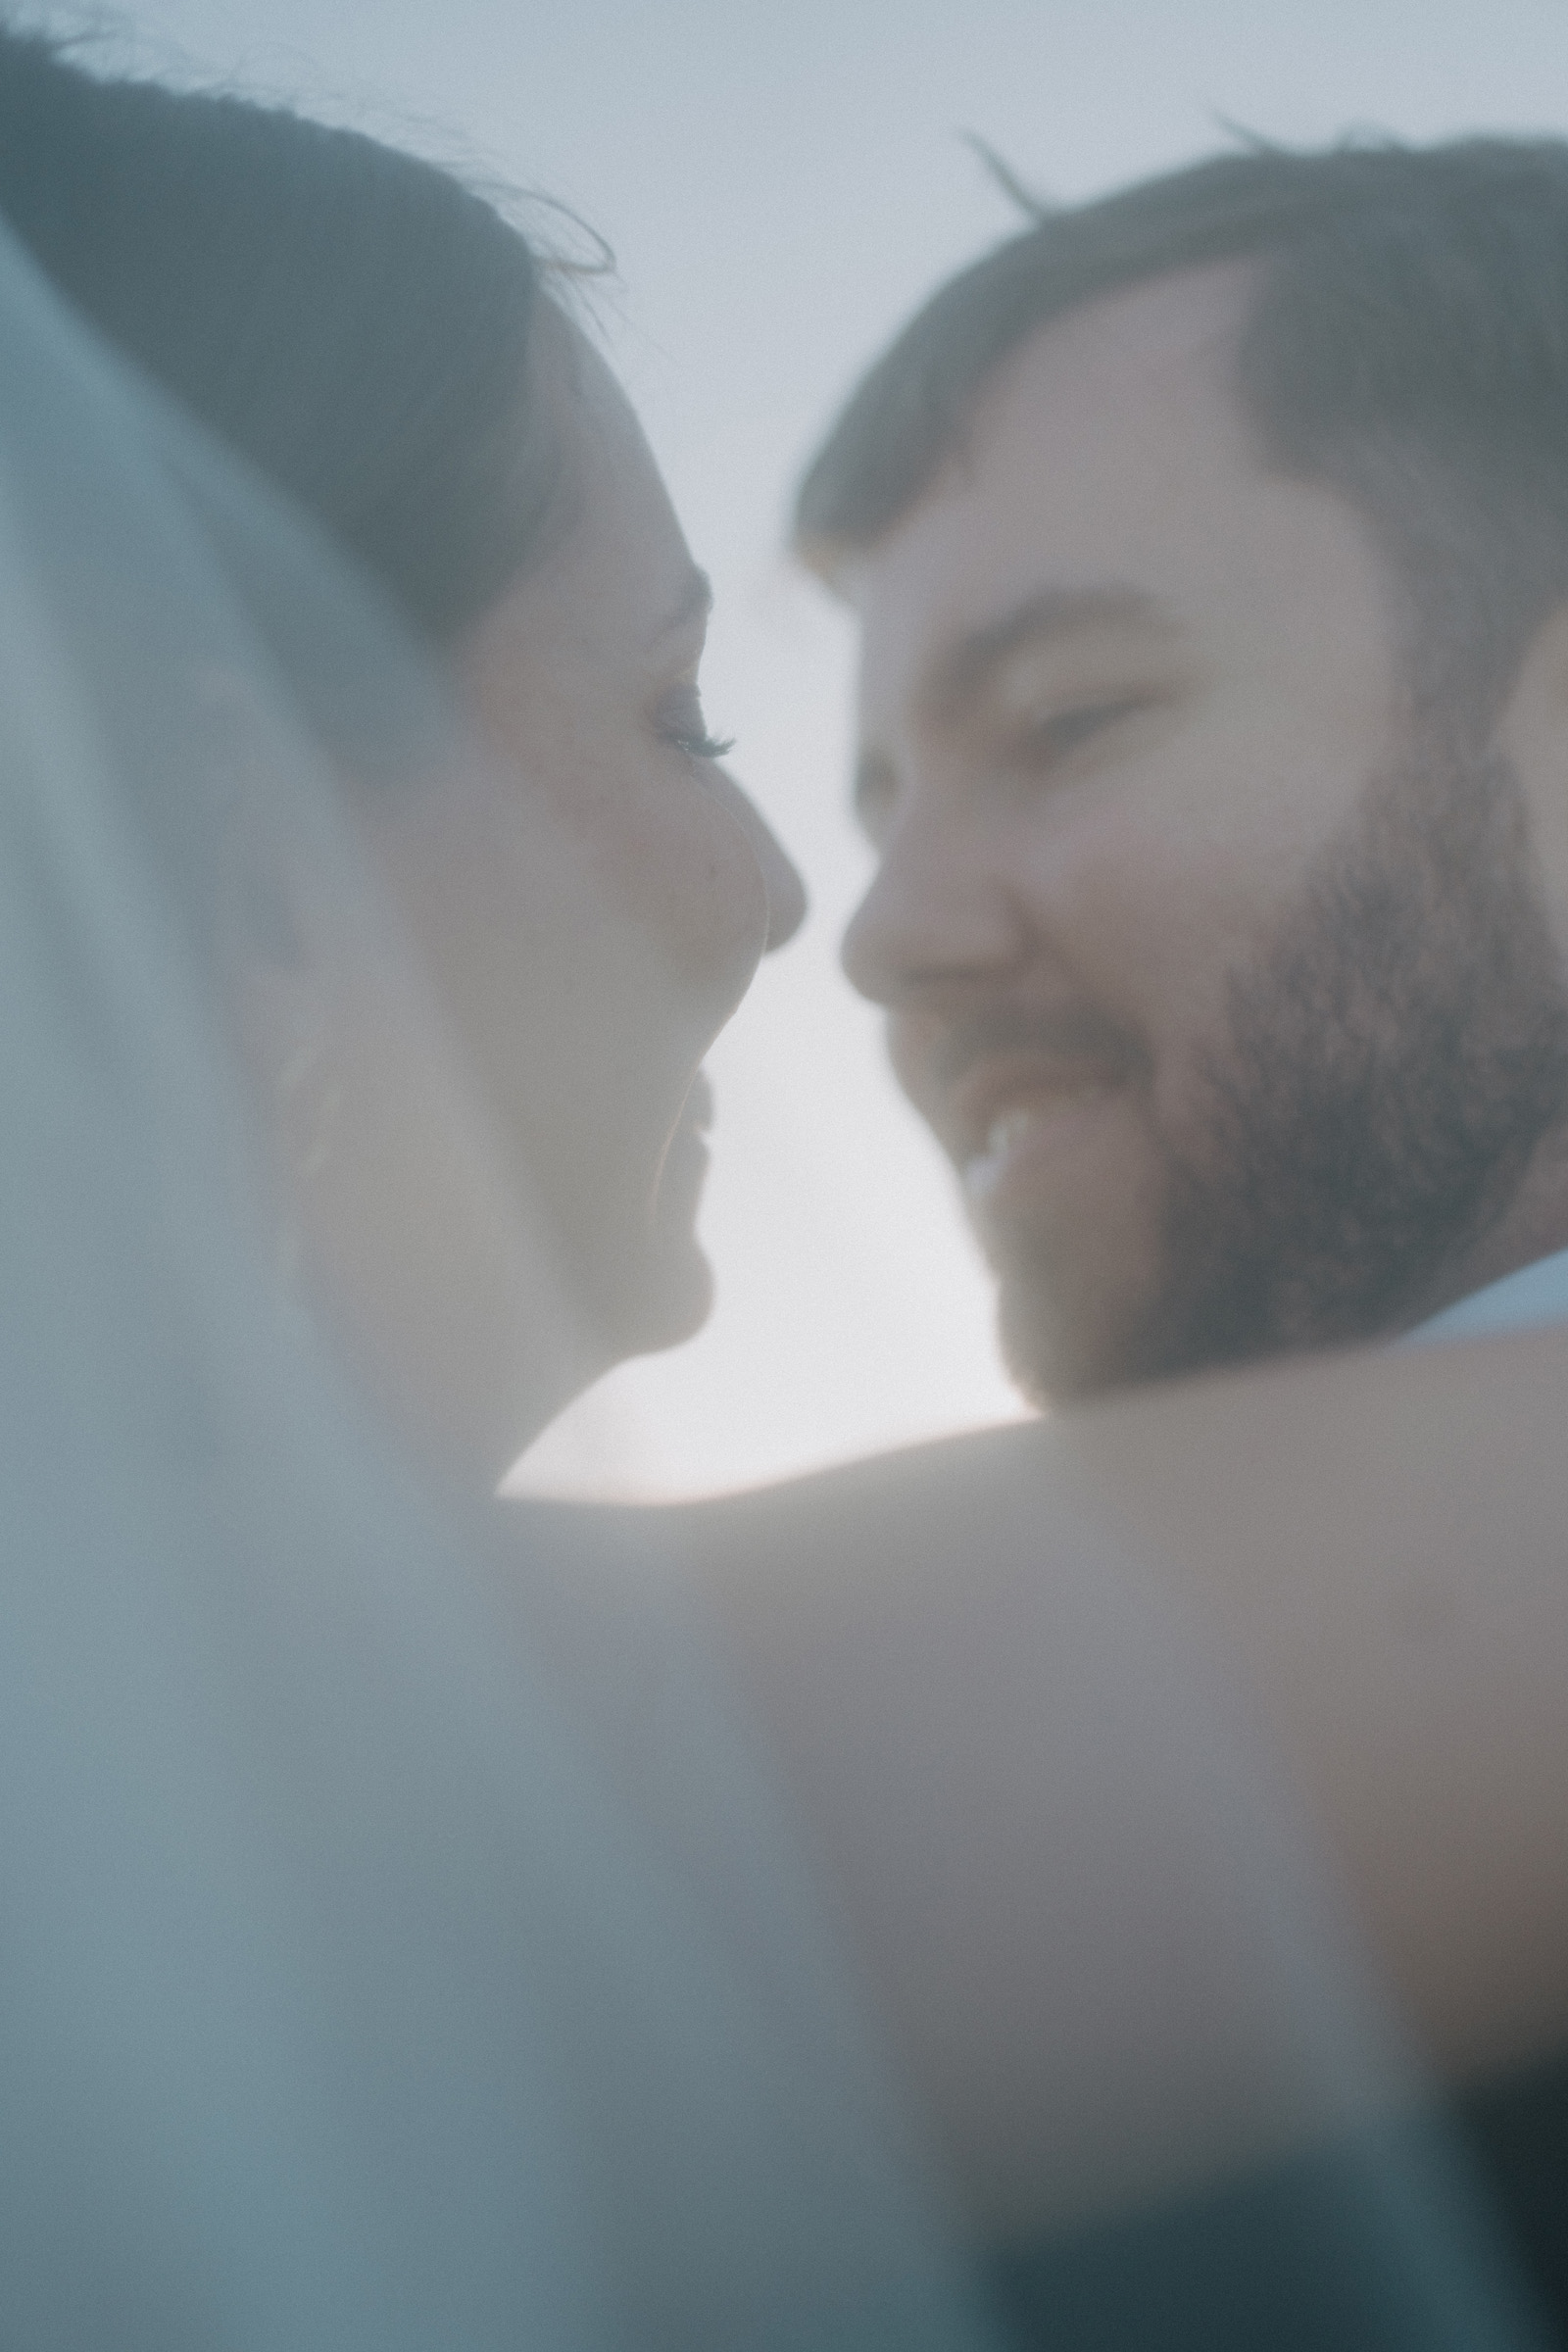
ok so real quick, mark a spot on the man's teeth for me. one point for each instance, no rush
(982, 1171)
(1007, 1128)
(1011, 1126)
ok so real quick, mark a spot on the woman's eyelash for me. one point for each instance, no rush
(683, 725)
(703, 746)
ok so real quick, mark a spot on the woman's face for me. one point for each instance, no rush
(588, 907)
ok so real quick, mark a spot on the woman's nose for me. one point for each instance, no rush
(786, 892)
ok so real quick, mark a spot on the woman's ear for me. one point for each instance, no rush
(1533, 736)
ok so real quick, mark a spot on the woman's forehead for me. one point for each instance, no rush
(601, 597)
(626, 539)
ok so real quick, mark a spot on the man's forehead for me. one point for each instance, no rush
(1103, 451)
(1158, 332)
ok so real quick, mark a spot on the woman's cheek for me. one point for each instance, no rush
(684, 872)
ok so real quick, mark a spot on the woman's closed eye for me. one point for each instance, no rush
(681, 723)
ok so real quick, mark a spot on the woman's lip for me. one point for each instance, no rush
(681, 1178)
(685, 1154)
(696, 1112)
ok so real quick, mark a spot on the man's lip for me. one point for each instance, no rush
(1002, 1085)
(1025, 1138)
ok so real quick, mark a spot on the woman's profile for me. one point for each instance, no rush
(384, 347)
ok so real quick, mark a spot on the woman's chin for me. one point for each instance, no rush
(674, 1285)
(675, 1300)
(642, 1301)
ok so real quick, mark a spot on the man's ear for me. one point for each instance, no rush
(1533, 735)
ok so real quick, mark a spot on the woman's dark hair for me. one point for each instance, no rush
(356, 323)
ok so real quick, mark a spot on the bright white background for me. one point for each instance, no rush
(781, 183)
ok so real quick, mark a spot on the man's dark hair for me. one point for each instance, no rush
(353, 320)
(1406, 344)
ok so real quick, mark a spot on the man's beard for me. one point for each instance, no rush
(1391, 1059)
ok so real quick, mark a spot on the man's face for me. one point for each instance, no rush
(1232, 1004)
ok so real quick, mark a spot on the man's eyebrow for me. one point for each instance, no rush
(963, 670)
(696, 602)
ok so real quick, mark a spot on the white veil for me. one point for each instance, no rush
(397, 1947)
(348, 1996)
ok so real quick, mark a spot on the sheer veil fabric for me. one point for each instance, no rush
(398, 1945)
(348, 1998)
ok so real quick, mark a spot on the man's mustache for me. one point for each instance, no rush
(1075, 1036)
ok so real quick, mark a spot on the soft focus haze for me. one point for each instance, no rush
(780, 188)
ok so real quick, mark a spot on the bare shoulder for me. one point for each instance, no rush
(1420, 1457)
(1375, 1543)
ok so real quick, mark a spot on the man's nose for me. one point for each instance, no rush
(940, 912)
(786, 892)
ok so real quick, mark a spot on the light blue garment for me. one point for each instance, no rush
(1524, 1301)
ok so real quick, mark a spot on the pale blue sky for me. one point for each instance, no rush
(781, 184)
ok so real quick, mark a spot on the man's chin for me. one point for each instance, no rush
(1077, 1318)
(1056, 1357)
(1060, 1351)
